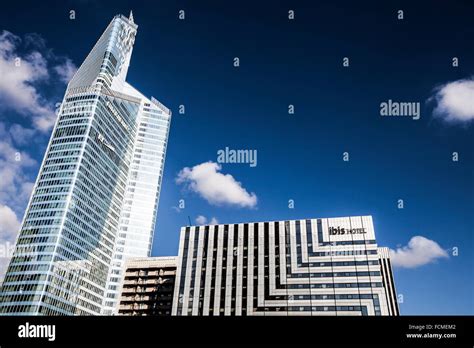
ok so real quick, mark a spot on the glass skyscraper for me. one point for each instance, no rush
(95, 199)
(305, 267)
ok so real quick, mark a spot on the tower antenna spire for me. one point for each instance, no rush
(131, 17)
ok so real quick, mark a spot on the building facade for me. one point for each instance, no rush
(299, 267)
(387, 279)
(148, 286)
(95, 198)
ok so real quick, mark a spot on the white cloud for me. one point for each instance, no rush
(215, 187)
(202, 220)
(15, 185)
(18, 76)
(9, 226)
(21, 135)
(21, 72)
(455, 101)
(66, 70)
(419, 251)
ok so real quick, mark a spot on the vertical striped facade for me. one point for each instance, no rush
(299, 267)
(387, 278)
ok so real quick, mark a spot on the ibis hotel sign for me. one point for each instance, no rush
(341, 230)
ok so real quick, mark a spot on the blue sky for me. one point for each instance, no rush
(300, 157)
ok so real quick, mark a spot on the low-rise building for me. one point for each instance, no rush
(148, 286)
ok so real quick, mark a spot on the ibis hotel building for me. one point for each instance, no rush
(299, 267)
(95, 199)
